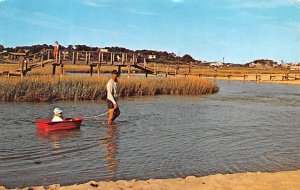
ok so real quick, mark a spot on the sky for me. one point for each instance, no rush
(239, 31)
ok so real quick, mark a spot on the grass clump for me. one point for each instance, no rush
(49, 88)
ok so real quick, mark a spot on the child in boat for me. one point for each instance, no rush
(57, 115)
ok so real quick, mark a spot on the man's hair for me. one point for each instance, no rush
(115, 72)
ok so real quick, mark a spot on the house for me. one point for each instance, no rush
(295, 68)
(4, 55)
(284, 65)
(215, 64)
(12, 55)
(103, 50)
(152, 56)
(16, 56)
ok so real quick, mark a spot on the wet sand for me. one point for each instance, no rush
(250, 181)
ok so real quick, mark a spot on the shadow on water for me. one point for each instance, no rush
(59, 135)
(55, 137)
(111, 147)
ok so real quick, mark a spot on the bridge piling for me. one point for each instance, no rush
(99, 57)
(61, 68)
(129, 70)
(54, 68)
(42, 61)
(133, 58)
(86, 58)
(73, 58)
(123, 59)
(22, 68)
(119, 70)
(98, 69)
(59, 57)
(91, 70)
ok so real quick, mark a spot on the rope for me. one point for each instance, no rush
(97, 115)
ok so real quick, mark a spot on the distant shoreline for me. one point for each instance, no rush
(250, 181)
(289, 82)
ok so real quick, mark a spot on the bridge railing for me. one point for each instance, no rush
(88, 57)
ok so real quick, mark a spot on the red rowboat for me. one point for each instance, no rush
(48, 125)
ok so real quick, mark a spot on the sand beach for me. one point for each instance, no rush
(239, 181)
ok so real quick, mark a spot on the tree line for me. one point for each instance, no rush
(160, 56)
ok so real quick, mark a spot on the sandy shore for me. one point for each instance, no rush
(294, 82)
(240, 181)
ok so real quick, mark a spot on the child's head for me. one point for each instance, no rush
(57, 111)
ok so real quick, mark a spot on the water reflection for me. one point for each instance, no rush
(111, 146)
(56, 137)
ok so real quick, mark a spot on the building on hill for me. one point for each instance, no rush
(216, 64)
(103, 50)
(13, 55)
(152, 56)
(295, 68)
(4, 55)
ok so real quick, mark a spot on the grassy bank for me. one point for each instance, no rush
(43, 89)
(162, 68)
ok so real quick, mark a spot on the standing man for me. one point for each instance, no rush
(112, 94)
(55, 51)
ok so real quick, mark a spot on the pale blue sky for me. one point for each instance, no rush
(239, 30)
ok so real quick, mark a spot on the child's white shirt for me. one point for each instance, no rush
(56, 119)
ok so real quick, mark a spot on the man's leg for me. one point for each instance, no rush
(110, 116)
(110, 107)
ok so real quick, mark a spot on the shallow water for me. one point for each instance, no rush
(245, 127)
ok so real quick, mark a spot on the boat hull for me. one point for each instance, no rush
(48, 125)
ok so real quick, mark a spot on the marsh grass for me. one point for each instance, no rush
(8, 67)
(47, 88)
(207, 70)
(195, 70)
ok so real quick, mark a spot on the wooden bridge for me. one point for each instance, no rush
(91, 58)
(103, 58)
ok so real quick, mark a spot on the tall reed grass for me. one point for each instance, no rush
(8, 67)
(45, 89)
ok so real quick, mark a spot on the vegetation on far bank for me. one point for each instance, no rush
(162, 68)
(48, 88)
